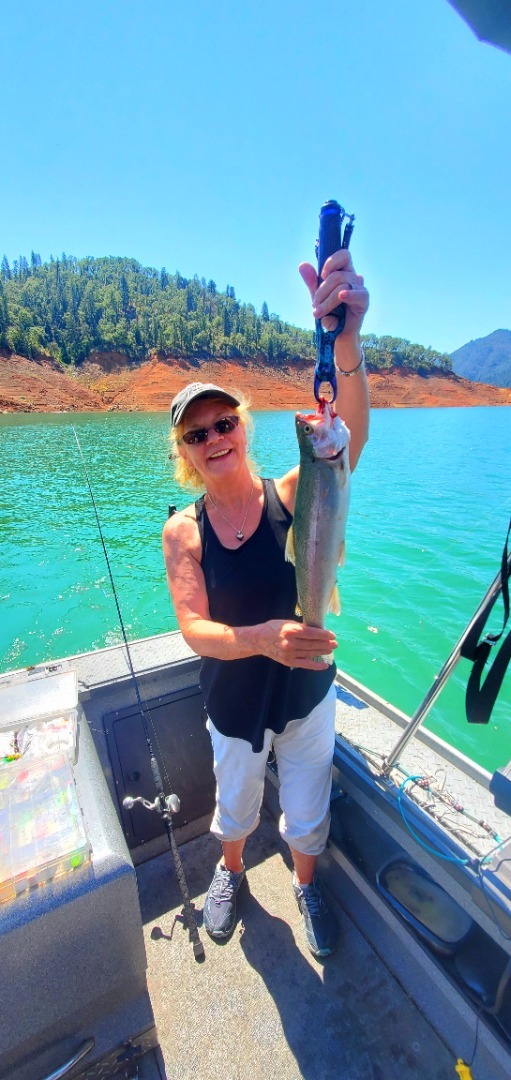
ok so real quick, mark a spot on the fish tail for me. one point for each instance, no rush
(289, 553)
(335, 602)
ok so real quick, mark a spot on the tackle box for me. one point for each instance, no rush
(38, 713)
(42, 833)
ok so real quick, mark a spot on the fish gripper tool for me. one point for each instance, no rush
(331, 238)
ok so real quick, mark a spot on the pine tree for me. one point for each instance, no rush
(4, 315)
(125, 295)
(5, 270)
(190, 300)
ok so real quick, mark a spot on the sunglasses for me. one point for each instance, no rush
(222, 427)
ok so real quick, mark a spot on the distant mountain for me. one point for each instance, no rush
(486, 360)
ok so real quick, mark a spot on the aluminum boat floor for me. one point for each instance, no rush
(260, 1006)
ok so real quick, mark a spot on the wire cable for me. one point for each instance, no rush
(433, 851)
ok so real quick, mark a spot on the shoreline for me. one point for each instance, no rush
(110, 383)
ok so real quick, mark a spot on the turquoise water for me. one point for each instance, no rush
(429, 513)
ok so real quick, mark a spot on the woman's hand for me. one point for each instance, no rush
(340, 284)
(294, 644)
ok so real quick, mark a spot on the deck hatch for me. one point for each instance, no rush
(182, 744)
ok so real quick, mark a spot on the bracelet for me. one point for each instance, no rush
(353, 371)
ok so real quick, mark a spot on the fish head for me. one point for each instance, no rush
(323, 436)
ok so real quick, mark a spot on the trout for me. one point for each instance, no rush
(316, 539)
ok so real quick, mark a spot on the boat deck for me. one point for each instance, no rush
(385, 1005)
(260, 1006)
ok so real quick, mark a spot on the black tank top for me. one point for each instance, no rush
(245, 586)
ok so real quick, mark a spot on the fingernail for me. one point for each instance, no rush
(316, 311)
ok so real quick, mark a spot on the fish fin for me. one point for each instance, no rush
(342, 554)
(289, 553)
(335, 602)
(298, 611)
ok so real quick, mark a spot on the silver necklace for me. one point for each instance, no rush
(239, 532)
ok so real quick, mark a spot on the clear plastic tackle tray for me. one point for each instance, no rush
(42, 832)
(38, 713)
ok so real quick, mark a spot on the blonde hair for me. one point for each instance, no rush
(185, 473)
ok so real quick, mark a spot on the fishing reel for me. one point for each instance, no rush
(163, 804)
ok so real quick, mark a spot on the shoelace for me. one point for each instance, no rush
(314, 900)
(223, 887)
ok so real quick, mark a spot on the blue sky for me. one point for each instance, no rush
(205, 136)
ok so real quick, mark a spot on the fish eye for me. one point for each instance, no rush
(307, 429)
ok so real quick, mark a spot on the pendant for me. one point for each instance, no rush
(239, 535)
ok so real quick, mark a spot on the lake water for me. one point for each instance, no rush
(429, 513)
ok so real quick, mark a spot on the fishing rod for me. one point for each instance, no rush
(165, 805)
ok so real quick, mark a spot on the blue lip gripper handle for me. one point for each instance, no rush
(330, 240)
(324, 371)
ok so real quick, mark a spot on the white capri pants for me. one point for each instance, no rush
(304, 753)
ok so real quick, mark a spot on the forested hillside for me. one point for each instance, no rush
(68, 308)
(486, 359)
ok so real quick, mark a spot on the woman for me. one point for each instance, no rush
(235, 598)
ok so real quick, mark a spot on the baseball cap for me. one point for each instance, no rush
(194, 392)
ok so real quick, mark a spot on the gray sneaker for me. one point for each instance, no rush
(220, 905)
(320, 925)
